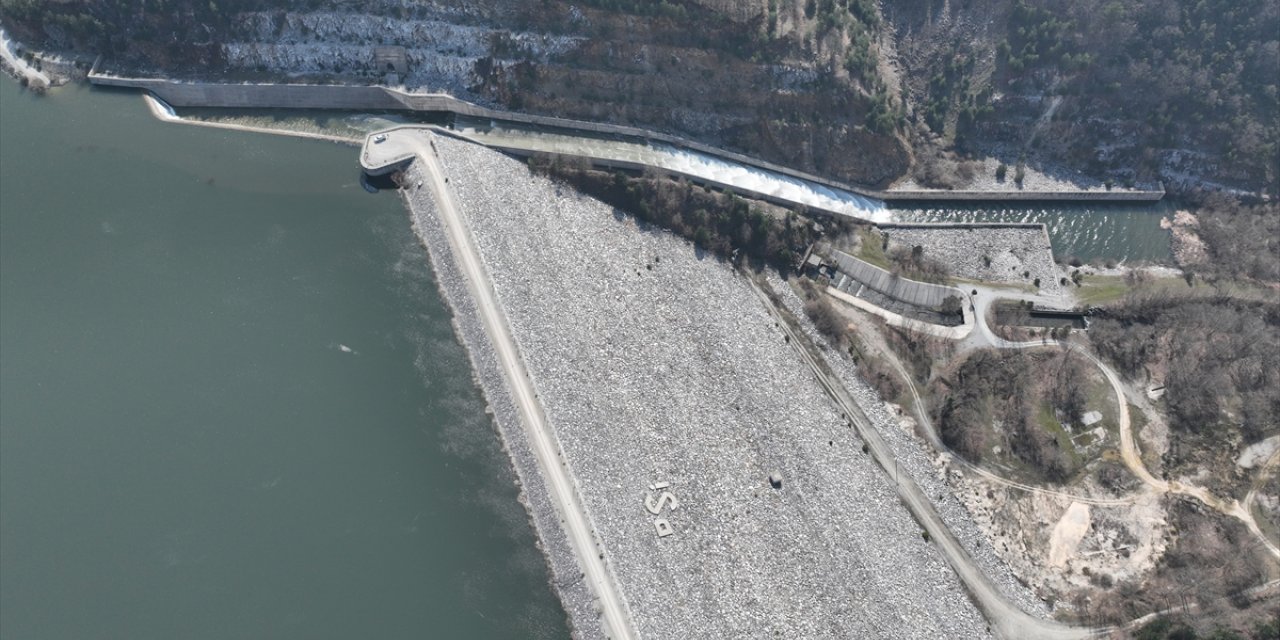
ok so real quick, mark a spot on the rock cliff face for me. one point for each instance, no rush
(857, 90)
(1134, 92)
(763, 78)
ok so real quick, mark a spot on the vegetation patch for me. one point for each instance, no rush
(1028, 395)
(719, 222)
(1216, 357)
(911, 263)
(871, 247)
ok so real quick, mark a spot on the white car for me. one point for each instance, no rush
(380, 138)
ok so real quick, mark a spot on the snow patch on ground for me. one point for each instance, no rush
(1068, 533)
(11, 58)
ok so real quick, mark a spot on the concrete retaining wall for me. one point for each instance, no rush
(905, 198)
(920, 294)
(390, 168)
(960, 225)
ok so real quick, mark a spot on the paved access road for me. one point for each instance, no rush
(615, 619)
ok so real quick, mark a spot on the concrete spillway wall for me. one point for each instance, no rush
(635, 167)
(961, 225)
(920, 294)
(929, 198)
(375, 98)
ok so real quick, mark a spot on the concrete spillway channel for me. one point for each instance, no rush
(700, 168)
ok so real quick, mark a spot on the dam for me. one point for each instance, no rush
(605, 145)
(670, 446)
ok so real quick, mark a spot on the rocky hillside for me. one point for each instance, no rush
(791, 82)
(1175, 90)
(1125, 92)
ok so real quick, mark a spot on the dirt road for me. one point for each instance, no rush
(1007, 619)
(1128, 447)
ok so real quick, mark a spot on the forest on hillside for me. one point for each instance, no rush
(1181, 91)
(1141, 90)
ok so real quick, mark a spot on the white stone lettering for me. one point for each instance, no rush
(663, 527)
(664, 500)
(655, 506)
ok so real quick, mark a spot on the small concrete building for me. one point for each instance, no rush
(390, 59)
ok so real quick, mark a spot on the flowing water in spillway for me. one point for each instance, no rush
(1115, 232)
(231, 402)
(1105, 232)
(693, 164)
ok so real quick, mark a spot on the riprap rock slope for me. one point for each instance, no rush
(656, 363)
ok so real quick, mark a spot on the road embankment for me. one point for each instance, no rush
(566, 569)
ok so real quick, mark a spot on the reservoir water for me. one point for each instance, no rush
(231, 402)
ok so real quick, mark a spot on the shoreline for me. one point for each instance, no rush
(12, 62)
(164, 113)
(565, 570)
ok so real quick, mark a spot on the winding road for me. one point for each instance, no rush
(983, 336)
(1010, 620)
(931, 434)
(1133, 460)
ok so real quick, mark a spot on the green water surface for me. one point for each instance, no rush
(231, 401)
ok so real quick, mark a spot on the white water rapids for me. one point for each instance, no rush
(694, 165)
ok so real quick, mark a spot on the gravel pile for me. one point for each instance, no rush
(991, 254)
(925, 467)
(656, 364)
